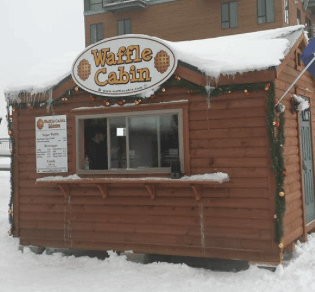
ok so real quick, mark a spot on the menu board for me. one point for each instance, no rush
(51, 144)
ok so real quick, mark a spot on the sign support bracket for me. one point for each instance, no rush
(297, 79)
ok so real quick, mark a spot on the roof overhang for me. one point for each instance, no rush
(192, 74)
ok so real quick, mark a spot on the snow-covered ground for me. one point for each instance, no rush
(28, 272)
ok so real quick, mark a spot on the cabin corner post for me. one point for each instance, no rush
(15, 226)
(187, 168)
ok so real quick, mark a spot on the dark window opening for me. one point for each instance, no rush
(124, 26)
(229, 15)
(309, 28)
(286, 11)
(265, 11)
(298, 59)
(131, 142)
(298, 17)
(95, 142)
(93, 5)
(96, 31)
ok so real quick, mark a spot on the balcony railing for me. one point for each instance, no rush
(115, 6)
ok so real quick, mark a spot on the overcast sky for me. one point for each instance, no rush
(34, 30)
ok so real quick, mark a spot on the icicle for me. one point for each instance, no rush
(49, 100)
(209, 89)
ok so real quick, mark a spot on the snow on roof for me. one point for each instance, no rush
(226, 55)
(240, 53)
(43, 76)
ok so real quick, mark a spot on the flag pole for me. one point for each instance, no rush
(297, 78)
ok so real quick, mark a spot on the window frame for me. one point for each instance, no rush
(229, 15)
(97, 25)
(124, 22)
(266, 12)
(298, 61)
(88, 5)
(309, 28)
(286, 11)
(298, 17)
(79, 127)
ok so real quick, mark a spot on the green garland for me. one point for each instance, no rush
(173, 81)
(276, 148)
(277, 161)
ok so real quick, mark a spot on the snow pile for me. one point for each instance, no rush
(218, 176)
(59, 178)
(303, 104)
(281, 107)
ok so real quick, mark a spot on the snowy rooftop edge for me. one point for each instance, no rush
(225, 55)
(214, 177)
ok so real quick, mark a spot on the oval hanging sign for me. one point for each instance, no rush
(124, 65)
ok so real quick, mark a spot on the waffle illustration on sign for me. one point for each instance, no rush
(40, 124)
(84, 69)
(161, 61)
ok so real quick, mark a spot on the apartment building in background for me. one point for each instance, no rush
(178, 20)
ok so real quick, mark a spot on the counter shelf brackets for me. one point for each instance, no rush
(151, 185)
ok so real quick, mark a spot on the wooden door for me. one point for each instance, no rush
(307, 164)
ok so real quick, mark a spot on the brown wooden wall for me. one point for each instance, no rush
(294, 225)
(232, 220)
(189, 20)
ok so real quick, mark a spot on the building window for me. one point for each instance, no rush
(139, 141)
(229, 14)
(298, 17)
(265, 11)
(286, 11)
(309, 28)
(124, 26)
(298, 55)
(96, 32)
(92, 5)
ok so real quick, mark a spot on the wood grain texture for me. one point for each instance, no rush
(230, 137)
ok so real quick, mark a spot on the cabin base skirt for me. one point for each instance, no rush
(253, 257)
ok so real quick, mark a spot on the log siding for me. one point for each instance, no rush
(230, 136)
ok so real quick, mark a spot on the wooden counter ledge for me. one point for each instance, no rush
(151, 184)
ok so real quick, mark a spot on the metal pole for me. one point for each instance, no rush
(297, 78)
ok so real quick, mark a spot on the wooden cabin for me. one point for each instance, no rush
(256, 211)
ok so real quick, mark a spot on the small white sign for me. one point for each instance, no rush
(51, 144)
(121, 132)
(124, 65)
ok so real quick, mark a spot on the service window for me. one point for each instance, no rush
(139, 141)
